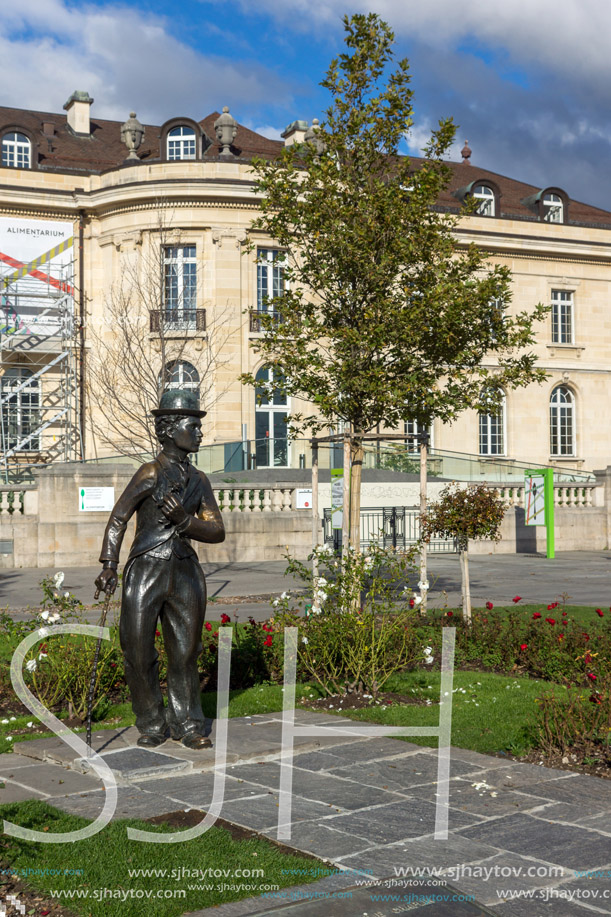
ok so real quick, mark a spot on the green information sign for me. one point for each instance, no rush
(539, 502)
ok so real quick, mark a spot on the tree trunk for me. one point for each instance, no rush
(356, 475)
(466, 587)
(346, 498)
(315, 516)
(423, 484)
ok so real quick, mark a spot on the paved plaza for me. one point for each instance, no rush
(366, 807)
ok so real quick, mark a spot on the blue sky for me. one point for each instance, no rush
(527, 81)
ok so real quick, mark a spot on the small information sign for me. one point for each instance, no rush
(303, 498)
(96, 499)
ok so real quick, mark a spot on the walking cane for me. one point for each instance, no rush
(95, 665)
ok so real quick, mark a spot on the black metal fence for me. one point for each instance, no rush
(389, 527)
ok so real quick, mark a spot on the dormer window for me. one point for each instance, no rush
(485, 195)
(553, 208)
(16, 151)
(181, 143)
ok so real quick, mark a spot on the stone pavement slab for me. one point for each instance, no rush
(566, 845)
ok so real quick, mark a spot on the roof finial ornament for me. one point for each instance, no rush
(226, 127)
(466, 154)
(132, 135)
(311, 136)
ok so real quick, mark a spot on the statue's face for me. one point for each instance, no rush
(188, 434)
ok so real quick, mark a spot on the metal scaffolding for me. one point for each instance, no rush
(39, 392)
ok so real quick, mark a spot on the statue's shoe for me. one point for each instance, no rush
(196, 740)
(151, 740)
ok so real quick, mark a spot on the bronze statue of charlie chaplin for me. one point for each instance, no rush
(163, 580)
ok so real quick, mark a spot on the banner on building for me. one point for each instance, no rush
(36, 281)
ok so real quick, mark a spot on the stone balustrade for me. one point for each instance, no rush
(275, 499)
(12, 501)
(576, 496)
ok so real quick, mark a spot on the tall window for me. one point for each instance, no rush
(562, 317)
(271, 408)
(485, 196)
(553, 208)
(181, 143)
(21, 411)
(562, 421)
(270, 276)
(183, 375)
(16, 151)
(492, 431)
(180, 286)
(412, 430)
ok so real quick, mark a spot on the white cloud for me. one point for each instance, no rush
(568, 37)
(268, 130)
(48, 49)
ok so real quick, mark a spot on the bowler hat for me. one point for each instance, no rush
(179, 401)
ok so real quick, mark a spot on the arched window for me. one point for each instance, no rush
(21, 411)
(271, 408)
(492, 431)
(553, 208)
(16, 151)
(181, 143)
(183, 375)
(486, 197)
(562, 421)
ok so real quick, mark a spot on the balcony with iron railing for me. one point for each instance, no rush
(180, 320)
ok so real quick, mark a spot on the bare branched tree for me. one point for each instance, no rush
(151, 338)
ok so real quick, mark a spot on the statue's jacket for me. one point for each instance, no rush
(156, 535)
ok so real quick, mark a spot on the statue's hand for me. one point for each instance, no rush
(174, 510)
(107, 581)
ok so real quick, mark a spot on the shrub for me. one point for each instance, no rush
(359, 631)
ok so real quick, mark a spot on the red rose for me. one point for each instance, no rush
(587, 636)
(517, 598)
(599, 613)
(208, 625)
(268, 641)
(267, 629)
(450, 614)
(252, 621)
(158, 633)
(412, 602)
(523, 646)
(551, 620)
(560, 636)
(595, 698)
(587, 658)
(489, 606)
(564, 614)
(536, 615)
(591, 676)
(113, 665)
(225, 619)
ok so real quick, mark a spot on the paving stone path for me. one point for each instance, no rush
(367, 808)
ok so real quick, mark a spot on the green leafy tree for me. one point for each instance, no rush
(385, 316)
(464, 513)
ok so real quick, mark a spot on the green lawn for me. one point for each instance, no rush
(101, 864)
(489, 712)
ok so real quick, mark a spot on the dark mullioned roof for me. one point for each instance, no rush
(65, 151)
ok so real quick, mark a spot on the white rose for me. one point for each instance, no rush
(58, 579)
(44, 615)
(66, 595)
(31, 665)
(423, 586)
(53, 618)
(428, 660)
(428, 650)
(417, 599)
(29, 725)
(4, 722)
(304, 639)
(285, 595)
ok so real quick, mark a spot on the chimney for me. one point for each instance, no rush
(294, 133)
(77, 107)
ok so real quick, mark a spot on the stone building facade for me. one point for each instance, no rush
(178, 195)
